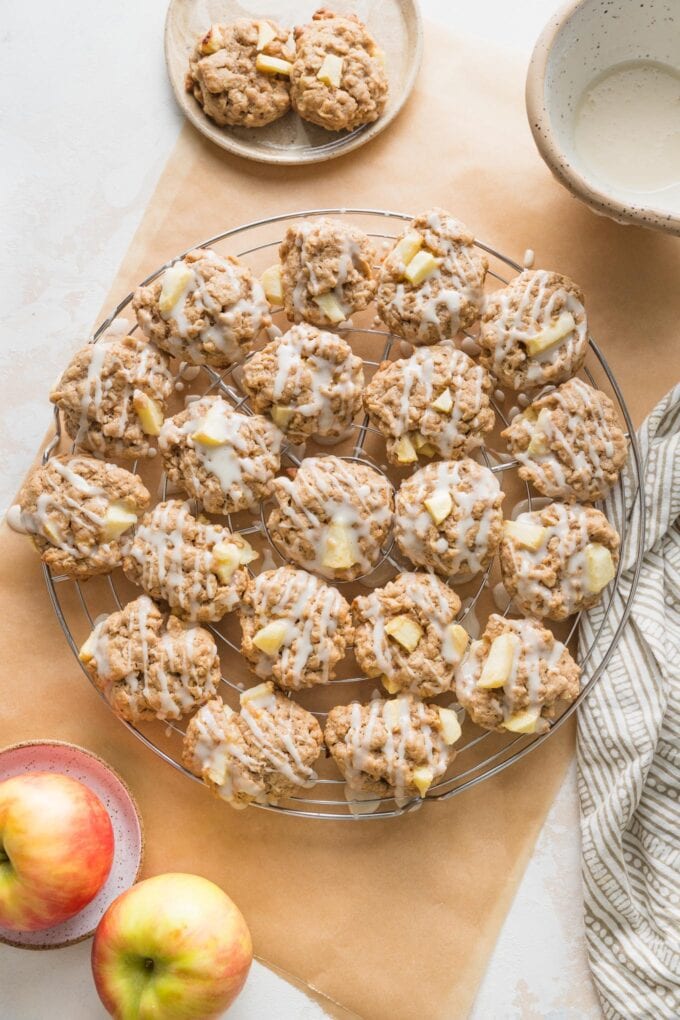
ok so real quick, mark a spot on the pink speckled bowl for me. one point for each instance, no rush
(76, 762)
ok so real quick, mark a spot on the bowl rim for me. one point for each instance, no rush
(553, 154)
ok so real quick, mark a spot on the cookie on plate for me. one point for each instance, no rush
(240, 73)
(262, 754)
(338, 79)
(516, 677)
(405, 634)
(396, 748)
(112, 397)
(435, 403)
(198, 568)
(332, 517)
(569, 443)
(431, 283)
(149, 665)
(295, 628)
(558, 560)
(205, 308)
(308, 380)
(222, 458)
(534, 331)
(77, 511)
(448, 517)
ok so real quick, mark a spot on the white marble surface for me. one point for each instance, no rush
(87, 130)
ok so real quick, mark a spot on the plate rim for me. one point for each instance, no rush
(224, 140)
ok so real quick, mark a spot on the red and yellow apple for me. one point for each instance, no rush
(56, 849)
(174, 946)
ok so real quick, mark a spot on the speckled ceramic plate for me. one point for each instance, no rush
(395, 24)
(70, 760)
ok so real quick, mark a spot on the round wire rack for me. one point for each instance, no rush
(480, 754)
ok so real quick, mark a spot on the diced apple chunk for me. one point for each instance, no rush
(149, 412)
(227, 559)
(273, 286)
(330, 72)
(392, 713)
(455, 642)
(450, 725)
(427, 450)
(538, 444)
(281, 415)
(52, 532)
(529, 536)
(270, 638)
(176, 279)
(439, 505)
(246, 552)
(405, 451)
(405, 630)
(117, 519)
(444, 402)
(390, 686)
(421, 266)
(212, 429)
(265, 34)
(523, 722)
(498, 666)
(339, 547)
(408, 247)
(257, 696)
(211, 41)
(273, 65)
(331, 307)
(551, 335)
(600, 568)
(86, 653)
(422, 779)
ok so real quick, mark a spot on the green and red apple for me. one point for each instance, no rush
(56, 849)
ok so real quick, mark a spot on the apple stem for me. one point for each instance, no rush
(148, 963)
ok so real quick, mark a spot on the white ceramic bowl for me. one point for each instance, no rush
(581, 42)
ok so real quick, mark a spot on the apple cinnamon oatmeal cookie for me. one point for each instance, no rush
(338, 80)
(197, 567)
(149, 665)
(405, 634)
(332, 516)
(558, 560)
(240, 73)
(396, 748)
(431, 283)
(448, 517)
(326, 271)
(308, 380)
(224, 459)
(516, 676)
(76, 511)
(295, 628)
(569, 443)
(112, 397)
(262, 754)
(435, 403)
(534, 331)
(205, 308)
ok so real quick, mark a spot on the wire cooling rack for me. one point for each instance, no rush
(480, 754)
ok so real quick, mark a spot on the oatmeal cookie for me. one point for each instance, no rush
(515, 677)
(405, 634)
(295, 628)
(149, 666)
(224, 459)
(262, 754)
(569, 443)
(338, 80)
(431, 283)
(332, 517)
(396, 748)
(326, 271)
(435, 403)
(534, 331)
(205, 308)
(231, 78)
(112, 397)
(308, 380)
(197, 567)
(558, 560)
(448, 517)
(77, 511)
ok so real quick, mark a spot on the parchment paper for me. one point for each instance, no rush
(391, 919)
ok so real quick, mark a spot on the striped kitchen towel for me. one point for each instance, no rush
(629, 753)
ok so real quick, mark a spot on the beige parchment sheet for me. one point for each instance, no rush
(392, 919)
